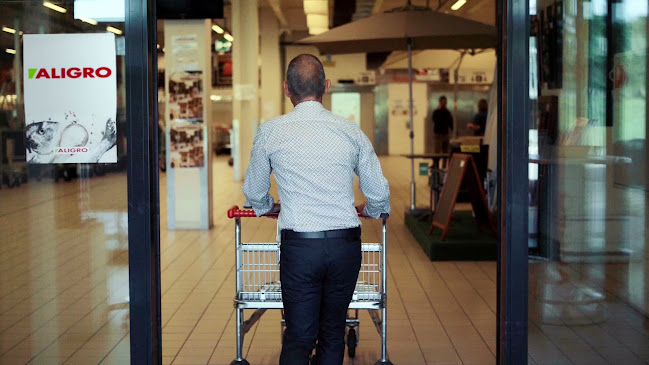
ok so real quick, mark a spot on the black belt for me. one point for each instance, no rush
(337, 233)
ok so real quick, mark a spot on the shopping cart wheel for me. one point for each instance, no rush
(351, 343)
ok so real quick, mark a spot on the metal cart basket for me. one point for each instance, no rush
(258, 286)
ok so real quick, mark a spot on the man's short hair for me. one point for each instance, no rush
(305, 77)
(443, 97)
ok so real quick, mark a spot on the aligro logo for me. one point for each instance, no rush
(69, 73)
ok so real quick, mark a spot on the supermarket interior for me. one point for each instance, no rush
(395, 66)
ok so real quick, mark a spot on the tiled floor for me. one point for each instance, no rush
(64, 288)
(64, 284)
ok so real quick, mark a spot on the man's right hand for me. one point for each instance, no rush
(274, 210)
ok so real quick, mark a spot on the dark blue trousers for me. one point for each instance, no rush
(318, 279)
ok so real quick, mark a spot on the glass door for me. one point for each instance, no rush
(78, 217)
(588, 262)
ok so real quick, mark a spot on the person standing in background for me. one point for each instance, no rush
(480, 120)
(442, 125)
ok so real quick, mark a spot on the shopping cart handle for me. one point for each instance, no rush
(235, 212)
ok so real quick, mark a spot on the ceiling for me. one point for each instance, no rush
(290, 13)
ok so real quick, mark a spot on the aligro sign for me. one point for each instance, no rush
(70, 73)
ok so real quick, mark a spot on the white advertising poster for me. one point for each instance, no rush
(184, 49)
(347, 105)
(70, 98)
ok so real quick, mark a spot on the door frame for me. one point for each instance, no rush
(143, 182)
(512, 19)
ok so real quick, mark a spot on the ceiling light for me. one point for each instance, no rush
(88, 20)
(11, 51)
(48, 4)
(315, 7)
(228, 37)
(317, 22)
(317, 15)
(113, 30)
(9, 30)
(21, 32)
(217, 29)
(458, 4)
(316, 30)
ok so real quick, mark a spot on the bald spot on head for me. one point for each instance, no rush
(305, 77)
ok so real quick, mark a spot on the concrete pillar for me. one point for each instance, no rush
(189, 189)
(245, 78)
(271, 71)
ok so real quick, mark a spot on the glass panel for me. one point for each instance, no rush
(64, 288)
(347, 105)
(589, 263)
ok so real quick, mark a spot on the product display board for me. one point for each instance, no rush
(70, 98)
(462, 173)
(347, 105)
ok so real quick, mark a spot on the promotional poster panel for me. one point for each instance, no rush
(70, 98)
(186, 96)
(187, 145)
(347, 105)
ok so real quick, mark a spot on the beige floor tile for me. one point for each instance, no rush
(67, 286)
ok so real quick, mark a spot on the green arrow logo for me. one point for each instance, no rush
(32, 72)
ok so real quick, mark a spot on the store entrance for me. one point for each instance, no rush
(214, 95)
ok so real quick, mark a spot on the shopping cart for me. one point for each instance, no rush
(258, 286)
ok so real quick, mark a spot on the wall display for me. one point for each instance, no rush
(70, 98)
(186, 144)
(347, 105)
(186, 96)
(433, 74)
(472, 76)
(401, 107)
(184, 50)
(224, 69)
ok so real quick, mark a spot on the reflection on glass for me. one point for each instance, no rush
(588, 183)
(64, 229)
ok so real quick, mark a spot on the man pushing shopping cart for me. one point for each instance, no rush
(314, 155)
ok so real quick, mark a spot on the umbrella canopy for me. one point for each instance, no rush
(406, 28)
(390, 31)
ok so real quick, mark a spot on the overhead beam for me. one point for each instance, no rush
(378, 4)
(277, 9)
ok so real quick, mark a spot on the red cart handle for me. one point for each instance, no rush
(235, 212)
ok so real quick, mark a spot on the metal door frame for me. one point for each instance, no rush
(512, 18)
(143, 182)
